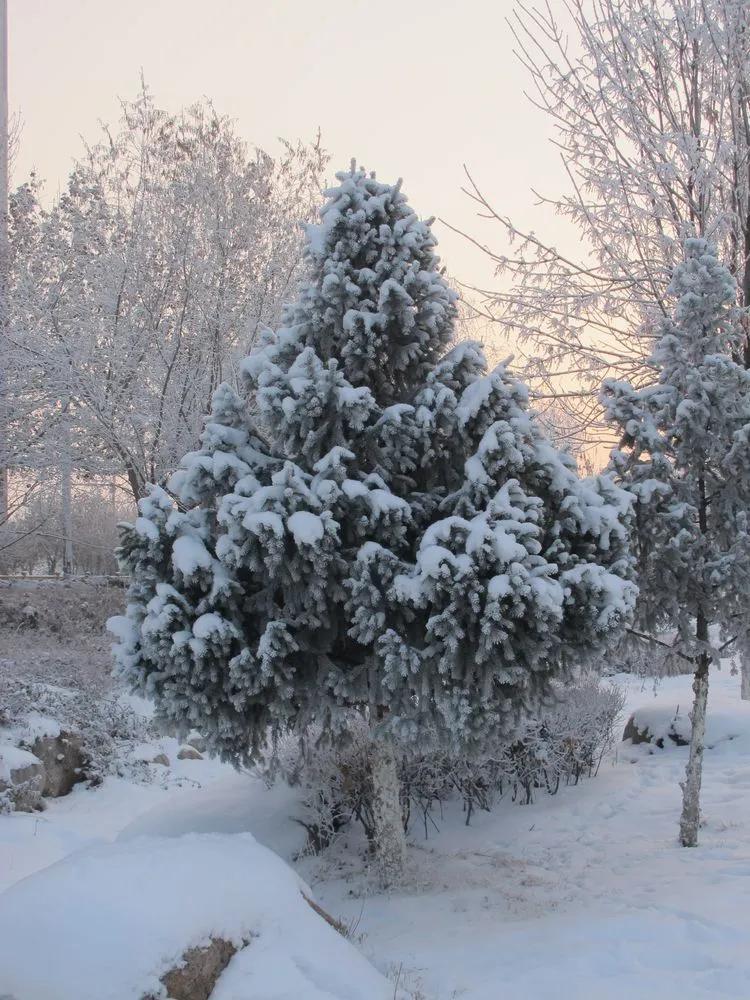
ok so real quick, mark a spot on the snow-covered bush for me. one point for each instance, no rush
(334, 779)
(567, 742)
(560, 746)
(108, 727)
(21, 779)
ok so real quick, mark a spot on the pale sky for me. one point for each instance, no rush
(414, 88)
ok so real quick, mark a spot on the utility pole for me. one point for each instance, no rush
(4, 258)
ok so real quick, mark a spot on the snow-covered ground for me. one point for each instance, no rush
(114, 918)
(581, 895)
(586, 895)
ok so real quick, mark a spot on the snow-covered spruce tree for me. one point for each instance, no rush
(685, 455)
(520, 574)
(395, 536)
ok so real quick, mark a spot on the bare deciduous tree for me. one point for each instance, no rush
(650, 105)
(170, 248)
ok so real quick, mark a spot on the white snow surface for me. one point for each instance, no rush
(667, 716)
(582, 896)
(585, 895)
(306, 527)
(189, 554)
(36, 726)
(112, 920)
(13, 758)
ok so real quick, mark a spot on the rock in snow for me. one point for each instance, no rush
(22, 776)
(197, 742)
(112, 922)
(637, 731)
(666, 724)
(62, 756)
(198, 971)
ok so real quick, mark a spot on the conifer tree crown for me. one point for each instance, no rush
(685, 455)
(391, 533)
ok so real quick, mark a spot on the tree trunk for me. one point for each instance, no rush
(745, 677)
(4, 256)
(691, 787)
(66, 473)
(136, 482)
(389, 843)
(4, 491)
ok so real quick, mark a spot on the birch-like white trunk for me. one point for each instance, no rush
(66, 475)
(389, 844)
(745, 677)
(691, 788)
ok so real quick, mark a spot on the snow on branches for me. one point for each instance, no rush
(684, 455)
(390, 533)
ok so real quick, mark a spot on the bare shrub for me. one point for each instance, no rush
(566, 742)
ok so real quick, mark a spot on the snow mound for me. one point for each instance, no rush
(13, 758)
(668, 723)
(235, 803)
(109, 922)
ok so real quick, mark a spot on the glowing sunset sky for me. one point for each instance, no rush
(413, 88)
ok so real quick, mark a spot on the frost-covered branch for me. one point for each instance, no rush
(649, 108)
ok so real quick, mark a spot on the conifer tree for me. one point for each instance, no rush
(684, 454)
(391, 533)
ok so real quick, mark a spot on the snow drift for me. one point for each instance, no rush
(109, 922)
